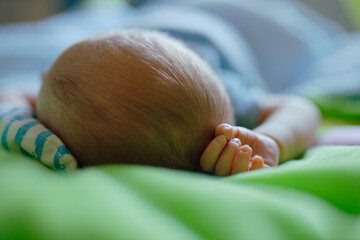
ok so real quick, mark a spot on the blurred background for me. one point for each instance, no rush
(346, 12)
(28, 45)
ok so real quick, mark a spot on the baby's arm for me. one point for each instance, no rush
(287, 128)
(291, 121)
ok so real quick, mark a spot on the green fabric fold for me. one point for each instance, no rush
(317, 197)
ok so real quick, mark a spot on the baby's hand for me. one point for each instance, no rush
(237, 149)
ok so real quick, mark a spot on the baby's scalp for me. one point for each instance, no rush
(133, 96)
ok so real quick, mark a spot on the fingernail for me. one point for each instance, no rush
(227, 128)
(246, 148)
(235, 140)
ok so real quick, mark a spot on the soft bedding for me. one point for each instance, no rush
(340, 106)
(314, 198)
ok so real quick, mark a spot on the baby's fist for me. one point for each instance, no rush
(225, 155)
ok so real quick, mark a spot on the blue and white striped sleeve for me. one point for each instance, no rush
(21, 132)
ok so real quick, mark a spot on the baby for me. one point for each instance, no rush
(141, 97)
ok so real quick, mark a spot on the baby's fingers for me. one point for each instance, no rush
(212, 152)
(241, 163)
(257, 163)
(225, 161)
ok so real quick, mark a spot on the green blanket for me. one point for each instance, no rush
(341, 108)
(314, 198)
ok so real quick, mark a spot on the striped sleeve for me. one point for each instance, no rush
(22, 133)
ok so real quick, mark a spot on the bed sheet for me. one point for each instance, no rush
(317, 197)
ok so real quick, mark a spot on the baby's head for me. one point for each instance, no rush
(133, 97)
